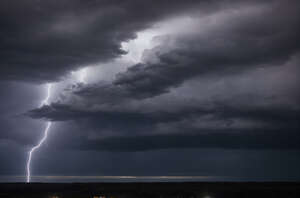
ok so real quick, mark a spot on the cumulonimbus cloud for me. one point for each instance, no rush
(238, 42)
(43, 41)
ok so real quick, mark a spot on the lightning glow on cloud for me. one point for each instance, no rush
(82, 75)
(136, 47)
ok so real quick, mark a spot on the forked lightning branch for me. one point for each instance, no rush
(82, 75)
(48, 125)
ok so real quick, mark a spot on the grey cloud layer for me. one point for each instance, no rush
(238, 42)
(43, 40)
(217, 126)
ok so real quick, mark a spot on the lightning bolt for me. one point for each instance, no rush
(82, 76)
(48, 125)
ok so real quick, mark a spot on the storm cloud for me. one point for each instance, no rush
(42, 41)
(236, 43)
(231, 45)
(192, 84)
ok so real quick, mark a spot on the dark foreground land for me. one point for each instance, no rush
(150, 190)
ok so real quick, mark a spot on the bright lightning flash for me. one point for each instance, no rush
(44, 102)
(82, 75)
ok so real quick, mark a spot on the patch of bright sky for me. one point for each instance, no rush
(135, 49)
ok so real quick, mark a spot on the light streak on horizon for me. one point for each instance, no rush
(44, 102)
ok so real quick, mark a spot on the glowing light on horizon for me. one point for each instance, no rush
(44, 102)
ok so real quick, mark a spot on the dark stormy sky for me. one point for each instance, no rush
(150, 88)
